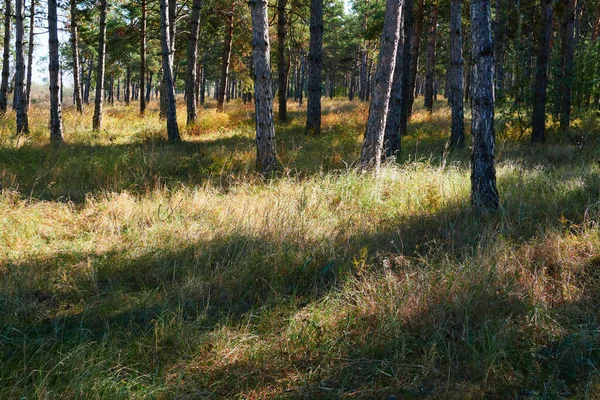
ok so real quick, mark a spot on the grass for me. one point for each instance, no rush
(133, 268)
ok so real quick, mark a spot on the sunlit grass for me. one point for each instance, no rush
(133, 268)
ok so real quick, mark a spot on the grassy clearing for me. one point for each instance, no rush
(132, 268)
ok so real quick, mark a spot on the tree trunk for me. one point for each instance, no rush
(86, 97)
(167, 62)
(373, 141)
(149, 87)
(455, 76)
(430, 64)
(75, 53)
(190, 86)
(315, 65)
(281, 65)
(22, 121)
(56, 134)
(30, 53)
(567, 62)
(266, 156)
(128, 86)
(414, 54)
(226, 60)
(541, 76)
(5, 58)
(484, 194)
(143, 57)
(97, 120)
(391, 137)
(406, 64)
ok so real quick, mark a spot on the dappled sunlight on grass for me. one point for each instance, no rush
(135, 268)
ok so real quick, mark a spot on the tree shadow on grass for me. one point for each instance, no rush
(291, 317)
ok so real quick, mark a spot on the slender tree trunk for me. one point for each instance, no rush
(391, 137)
(149, 87)
(430, 64)
(414, 53)
(56, 134)
(22, 120)
(567, 57)
(266, 155)
(315, 65)
(128, 86)
(86, 97)
(167, 62)
(455, 75)
(484, 194)
(281, 65)
(30, 53)
(406, 64)
(226, 60)
(5, 58)
(97, 120)
(190, 88)
(75, 51)
(143, 57)
(373, 141)
(203, 82)
(541, 76)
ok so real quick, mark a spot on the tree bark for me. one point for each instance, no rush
(5, 58)
(373, 141)
(266, 155)
(430, 63)
(75, 51)
(22, 120)
(167, 62)
(484, 194)
(30, 53)
(56, 134)
(97, 120)
(315, 65)
(143, 58)
(541, 77)
(191, 87)
(391, 137)
(281, 65)
(455, 76)
(414, 54)
(226, 60)
(406, 64)
(567, 62)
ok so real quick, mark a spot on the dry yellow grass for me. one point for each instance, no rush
(132, 268)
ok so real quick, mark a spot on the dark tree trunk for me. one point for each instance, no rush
(414, 54)
(143, 57)
(97, 121)
(56, 134)
(226, 60)
(484, 194)
(5, 58)
(281, 65)
(455, 76)
(266, 155)
(75, 53)
(128, 86)
(86, 96)
(22, 120)
(203, 82)
(30, 53)
(315, 65)
(406, 64)
(391, 137)
(149, 87)
(541, 76)
(190, 87)
(373, 141)
(567, 62)
(167, 62)
(430, 64)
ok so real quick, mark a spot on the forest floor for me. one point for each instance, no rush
(134, 268)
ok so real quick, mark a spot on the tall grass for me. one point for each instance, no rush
(133, 268)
